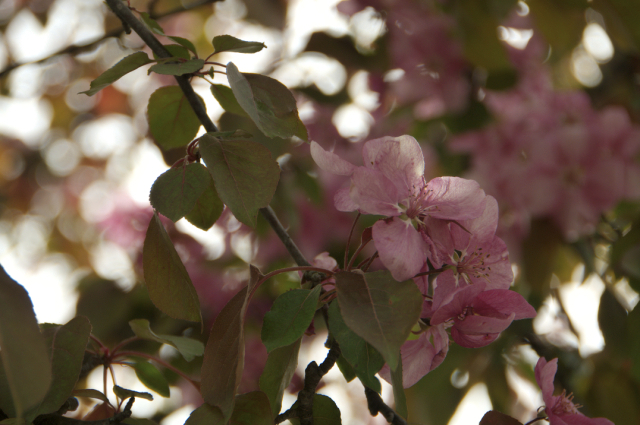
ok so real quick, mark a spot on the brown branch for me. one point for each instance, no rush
(377, 405)
(75, 49)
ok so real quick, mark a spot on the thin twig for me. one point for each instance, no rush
(376, 405)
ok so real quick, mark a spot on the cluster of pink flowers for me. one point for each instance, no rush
(447, 224)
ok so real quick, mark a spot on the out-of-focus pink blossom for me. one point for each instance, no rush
(560, 409)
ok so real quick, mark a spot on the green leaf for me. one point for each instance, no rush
(67, 352)
(379, 309)
(227, 43)
(151, 378)
(207, 209)
(206, 415)
(365, 360)
(27, 370)
(91, 393)
(124, 393)
(225, 97)
(183, 42)
(223, 361)
(168, 282)
(290, 315)
(348, 372)
(125, 66)
(172, 122)
(493, 417)
(139, 421)
(176, 191)
(399, 396)
(180, 68)
(252, 409)
(244, 174)
(325, 411)
(268, 102)
(188, 347)
(176, 51)
(151, 23)
(277, 373)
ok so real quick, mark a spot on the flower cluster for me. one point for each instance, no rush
(448, 225)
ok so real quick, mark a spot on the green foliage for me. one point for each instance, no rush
(379, 309)
(151, 377)
(172, 122)
(125, 66)
(124, 393)
(156, 28)
(228, 43)
(26, 370)
(252, 409)
(494, 417)
(244, 174)
(206, 415)
(290, 315)
(268, 102)
(325, 411)
(277, 373)
(561, 23)
(225, 97)
(168, 282)
(188, 347)
(175, 192)
(208, 207)
(179, 68)
(91, 393)
(399, 396)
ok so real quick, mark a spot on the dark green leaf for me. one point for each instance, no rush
(206, 415)
(277, 373)
(151, 23)
(348, 372)
(612, 318)
(399, 396)
(633, 330)
(188, 347)
(183, 42)
(223, 361)
(176, 191)
(225, 97)
(325, 411)
(125, 66)
(379, 309)
(268, 102)
(176, 50)
(124, 393)
(365, 360)
(244, 174)
(172, 122)
(91, 393)
(24, 355)
(227, 43)
(139, 421)
(168, 282)
(207, 209)
(290, 315)
(252, 409)
(180, 68)
(494, 417)
(151, 378)
(67, 352)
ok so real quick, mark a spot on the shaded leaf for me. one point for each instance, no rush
(188, 347)
(365, 360)
(91, 393)
(226, 99)
(151, 23)
(151, 378)
(176, 51)
(207, 209)
(252, 409)
(172, 122)
(124, 393)
(268, 102)
(206, 415)
(612, 318)
(561, 23)
(290, 315)
(223, 361)
(67, 352)
(399, 396)
(27, 370)
(175, 192)
(325, 411)
(180, 68)
(227, 43)
(379, 309)
(493, 417)
(168, 282)
(244, 174)
(277, 373)
(139, 421)
(348, 372)
(125, 66)
(183, 42)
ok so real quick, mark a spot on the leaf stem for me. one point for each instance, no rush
(159, 361)
(123, 343)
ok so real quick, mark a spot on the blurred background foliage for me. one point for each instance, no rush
(538, 100)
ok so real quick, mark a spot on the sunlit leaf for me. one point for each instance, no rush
(91, 393)
(227, 43)
(188, 347)
(290, 315)
(494, 417)
(225, 97)
(268, 102)
(379, 309)
(277, 373)
(172, 122)
(151, 377)
(207, 209)
(27, 369)
(125, 66)
(125, 393)
(252, 409)
(176, 191)
(325, 411)
(168, 282)
(244, 174)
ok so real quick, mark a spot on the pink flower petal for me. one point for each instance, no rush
(504, 301)
(400, 247)
(455, 198)
(331, 162)
(374, 193)
(472, 341)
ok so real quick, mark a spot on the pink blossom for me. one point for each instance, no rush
(560, 409)
(477, 316)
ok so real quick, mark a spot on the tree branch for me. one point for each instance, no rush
(126, 16)
(377, 405)
(57, 419)
(312, 376)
